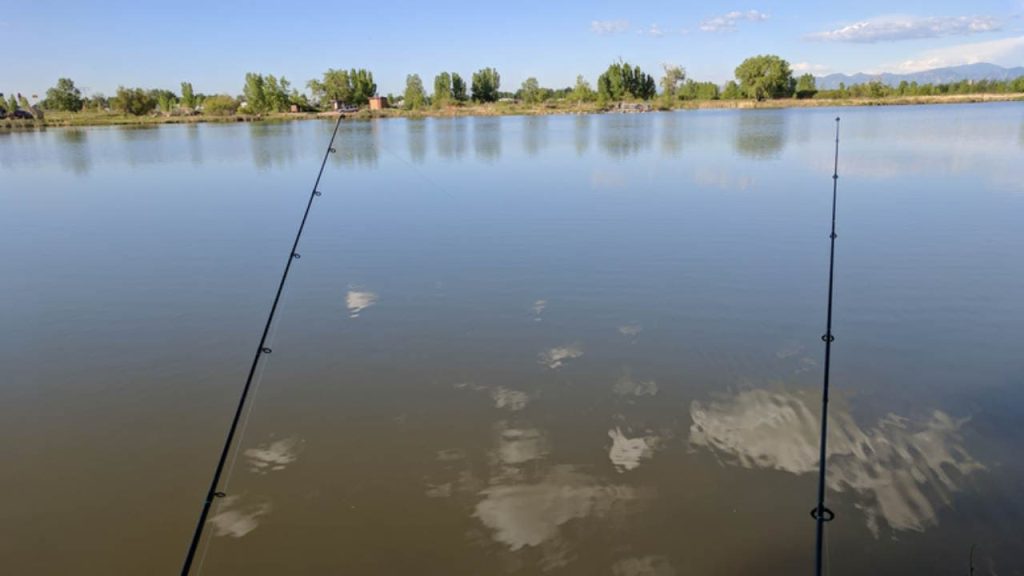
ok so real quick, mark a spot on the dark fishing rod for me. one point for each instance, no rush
(260, 351)
(820, 513)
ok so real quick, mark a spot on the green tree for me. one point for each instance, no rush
(220, 105)
(188, 97)
(442, 89)
(458, 88)
(875, 89)
(531, 92)
(12, 103)
(806, 86)
(415, 97)
(353, 87)
(621, 81)
(335, 86)
(255, 94)
(134, 101)
(166, 100)
(64, 96)
(96, 102)
(731, 91)
(275, 93)
(486, 83)
(765, 76)
(300, 100)
(363, 87)
(693, 90)
(582, 92)
(674, 75)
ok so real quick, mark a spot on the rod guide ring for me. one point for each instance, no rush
(826, 514)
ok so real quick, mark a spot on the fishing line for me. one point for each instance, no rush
(207, 539)
(214, 491)
(820, 513)
(416, 169)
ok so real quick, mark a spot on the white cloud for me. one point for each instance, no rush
(608, 27)
(1007, 52)
(895, 28)
(727, 22)
(807, 67)
(654, 31)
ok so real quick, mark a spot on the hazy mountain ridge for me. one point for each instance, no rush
(979, 71)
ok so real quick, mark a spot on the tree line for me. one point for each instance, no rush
(762, 77)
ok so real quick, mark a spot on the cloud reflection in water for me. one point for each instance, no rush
(645, 566)
(512, 400)
(627, 386)
(274, 456)
(519, 445)
(357, 301)
(531, 514)
(522, 498)
(626, 453)
(558, 356)
(237, 520)
(538, 309)
(901, 469)
(631, 331)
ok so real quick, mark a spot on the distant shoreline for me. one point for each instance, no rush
(84, 119)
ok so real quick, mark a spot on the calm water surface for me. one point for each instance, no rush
(566, 345)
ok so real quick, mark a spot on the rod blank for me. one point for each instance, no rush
(261, 349)
(820, 513)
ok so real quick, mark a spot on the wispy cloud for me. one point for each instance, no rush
(895, 28)
(808, 67)
(1007, 52)
(654, 31)
(608, 27)
(727, 22)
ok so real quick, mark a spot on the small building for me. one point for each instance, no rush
(294, 108)
(378, 102)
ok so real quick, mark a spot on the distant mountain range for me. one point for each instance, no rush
(979, 71)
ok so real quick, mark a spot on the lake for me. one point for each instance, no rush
(522, 345)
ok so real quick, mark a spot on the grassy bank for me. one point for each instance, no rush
(826, 102)
(58, 119)
(92, 118)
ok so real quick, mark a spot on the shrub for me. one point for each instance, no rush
(220, 105)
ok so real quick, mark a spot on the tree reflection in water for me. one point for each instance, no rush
(761, 134)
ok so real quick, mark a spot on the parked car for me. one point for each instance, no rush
(22, 114)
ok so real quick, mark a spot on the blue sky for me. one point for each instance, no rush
(213, 43)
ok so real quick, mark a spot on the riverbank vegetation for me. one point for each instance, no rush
(760, 81)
